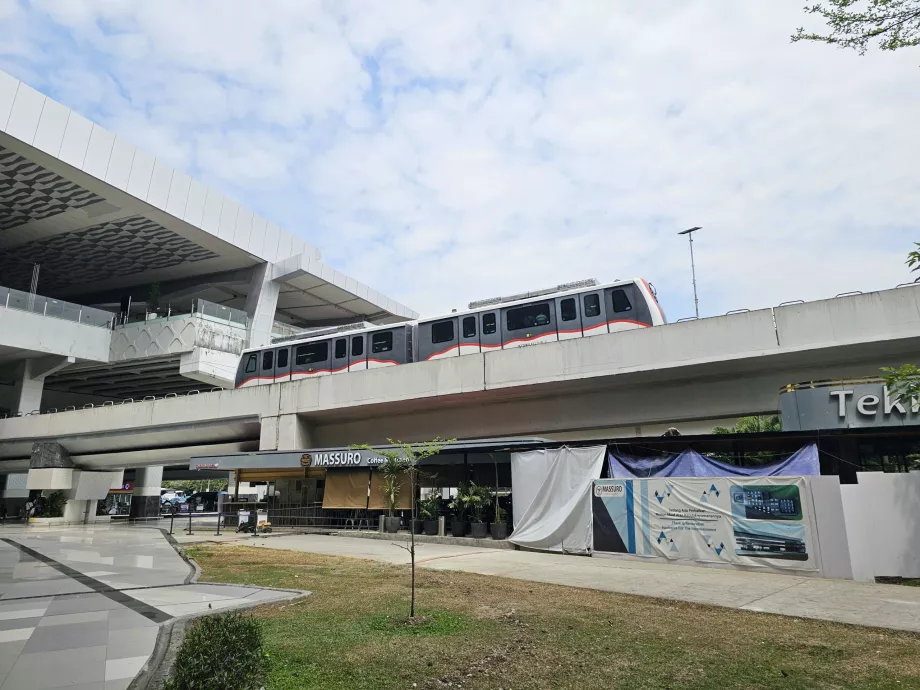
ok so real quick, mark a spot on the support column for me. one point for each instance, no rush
(261, 303)
(285, 432)
(30, 380)
(145, 502)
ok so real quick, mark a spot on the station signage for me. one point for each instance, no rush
(842, 406)
(341, 458)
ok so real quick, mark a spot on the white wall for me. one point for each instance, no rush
(882, 514)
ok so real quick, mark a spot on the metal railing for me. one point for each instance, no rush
(235, 317)
(200, 307)
(55, 308)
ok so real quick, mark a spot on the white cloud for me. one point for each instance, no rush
(443, 151)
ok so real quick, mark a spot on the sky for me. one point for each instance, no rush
(443, 152)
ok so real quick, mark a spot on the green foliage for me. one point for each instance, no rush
(752, 425)
(220, 653)
(404, 458)
(913, 258)
(855, 24)
(53, 505)
(390, 490)
(194, 486)
(153, 298)
(472, 498)
(430, 507)
(902, 382)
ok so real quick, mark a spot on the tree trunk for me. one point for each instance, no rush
(412, 546)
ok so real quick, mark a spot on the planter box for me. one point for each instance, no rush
(499, 530)
(478, 530)
(49, 522)
(431, 527)
(458, 528)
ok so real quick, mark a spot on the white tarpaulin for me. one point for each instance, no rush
(552, 497)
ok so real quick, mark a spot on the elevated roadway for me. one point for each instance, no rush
(691, 375)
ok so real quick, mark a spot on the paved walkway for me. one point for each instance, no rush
(81, 607)
(845, 601)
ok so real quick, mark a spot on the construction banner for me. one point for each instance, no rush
(763, 521)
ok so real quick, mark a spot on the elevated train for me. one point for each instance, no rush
(575, 313)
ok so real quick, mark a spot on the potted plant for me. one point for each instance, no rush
(499, 528)
(391, 469)
(459, 506)
(429, 509)
(478, 499)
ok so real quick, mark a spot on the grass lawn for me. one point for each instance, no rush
(488, 632)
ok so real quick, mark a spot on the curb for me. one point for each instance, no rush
(172, 633)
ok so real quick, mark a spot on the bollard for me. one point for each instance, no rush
(441, 526)
(172, 518)
(380, 524)
(218, 524)
(190, 522)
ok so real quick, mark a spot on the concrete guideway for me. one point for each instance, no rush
(86, 606)
(610, 384)
(841, 601)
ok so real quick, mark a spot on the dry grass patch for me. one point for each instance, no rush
(489, 632)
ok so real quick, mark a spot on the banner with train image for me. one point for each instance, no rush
(762, 521)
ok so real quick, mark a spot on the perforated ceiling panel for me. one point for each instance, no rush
(30, 192)
(123, 247)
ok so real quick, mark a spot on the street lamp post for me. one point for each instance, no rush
(689, 234)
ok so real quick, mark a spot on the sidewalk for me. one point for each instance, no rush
(844, 601)
(85, 606)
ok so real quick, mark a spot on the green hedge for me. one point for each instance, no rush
(220, 653)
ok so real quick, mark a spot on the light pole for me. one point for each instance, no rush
(689, 233)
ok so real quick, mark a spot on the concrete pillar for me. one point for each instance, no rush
(145, 502)
(260, 305)
(285, 432)
(30, 380)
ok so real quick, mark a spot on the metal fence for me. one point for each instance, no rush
(26, 301)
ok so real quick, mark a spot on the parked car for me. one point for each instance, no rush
(203, 502)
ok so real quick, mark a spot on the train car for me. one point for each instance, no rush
(500, 324)
(576, 313)
(334, 353)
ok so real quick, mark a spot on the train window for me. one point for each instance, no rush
(341, 348)
(357, 346)
(567, 307)
(268, 359)
(592, 304)
(620, 301)
(442, 332)
(533, 315)
(382, 342)
(251, 363)
(488, 323)
(282, 358)
(469, 327)
(310, 353)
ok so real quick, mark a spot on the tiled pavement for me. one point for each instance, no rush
(81, 607)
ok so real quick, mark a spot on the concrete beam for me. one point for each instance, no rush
(45, 366)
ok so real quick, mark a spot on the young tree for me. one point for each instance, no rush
(856, 23)
(405, 458)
